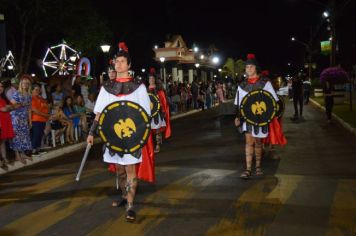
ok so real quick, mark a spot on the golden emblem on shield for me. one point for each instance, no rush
(258, 108)
(125, 128)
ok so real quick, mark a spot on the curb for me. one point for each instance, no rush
(337, 118)
(68, 149)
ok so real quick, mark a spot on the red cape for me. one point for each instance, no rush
(275, 133)
(146, 169)
(162, 99)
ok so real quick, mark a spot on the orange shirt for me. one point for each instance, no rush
(41, 105)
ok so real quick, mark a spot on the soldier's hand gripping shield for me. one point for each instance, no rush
(155, 105)
(124, 126)
(258, 107)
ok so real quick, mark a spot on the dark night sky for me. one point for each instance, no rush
(235, 27)
(263, 27)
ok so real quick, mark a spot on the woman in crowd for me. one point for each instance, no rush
(74, 117)
(21, 119)
(57, 95)
(40, 115)
(6, 130)
(79, 108)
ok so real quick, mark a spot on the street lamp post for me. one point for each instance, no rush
(162, 59)
(105, 48)
(331, 19)
(308, 48)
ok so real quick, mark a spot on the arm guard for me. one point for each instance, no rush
(93, 127)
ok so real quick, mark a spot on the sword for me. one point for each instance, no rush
(117, 180)
(83, 161)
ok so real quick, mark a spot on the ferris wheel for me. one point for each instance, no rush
(7, 63)
(59, 59)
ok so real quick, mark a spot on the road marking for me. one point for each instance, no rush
(343, 211)
(40, 220)
(258, 205)
(152, 214)
(42, 187)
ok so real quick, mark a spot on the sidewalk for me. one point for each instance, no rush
(344, 124)
(62, 150)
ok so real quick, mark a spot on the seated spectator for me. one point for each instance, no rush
(79, 108)
(90, 104)
(57, 95)
(70, 113)
(40, 115)
(59, 121)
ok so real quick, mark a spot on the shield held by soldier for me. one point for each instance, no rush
(124, 126)
(258, 107)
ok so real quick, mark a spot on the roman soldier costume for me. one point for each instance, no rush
(124, 126)
(160, 122)
(256, 109)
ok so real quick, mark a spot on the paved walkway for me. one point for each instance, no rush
(310, 190)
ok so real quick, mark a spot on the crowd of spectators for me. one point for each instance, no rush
(37, 116)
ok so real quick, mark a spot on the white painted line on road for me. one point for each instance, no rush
(337, 118)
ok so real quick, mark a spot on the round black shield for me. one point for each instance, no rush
(124, 126)
(280, 106)
(258, 107)
(155, 104)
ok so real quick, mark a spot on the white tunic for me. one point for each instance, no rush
(161, 123)
(242, 93)
(139, 96)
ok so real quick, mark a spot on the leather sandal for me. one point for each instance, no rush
(130, 215)
(258, 171)
(246, 174)
(119, 203)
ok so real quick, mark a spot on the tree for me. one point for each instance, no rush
(88, 31)
(30, 23)
(239, 68)
(228, 68)
(26, 21)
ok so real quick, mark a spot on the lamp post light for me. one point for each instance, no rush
(143, 70)
(202, 56)
(196, 49)
(105, 48)
(155, 47)
(73, 58)
(197, 65)
(215, 60)
(162, 59)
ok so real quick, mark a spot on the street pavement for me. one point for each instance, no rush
(309, 190)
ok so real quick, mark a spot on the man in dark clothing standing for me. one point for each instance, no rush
(195, 93)
(297, 89)
(329, 99)
(306, 88)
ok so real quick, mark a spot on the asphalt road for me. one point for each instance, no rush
(310, 190)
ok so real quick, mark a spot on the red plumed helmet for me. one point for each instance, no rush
(251, 56)
(152, 71)
(122, 46)
(251, 60)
